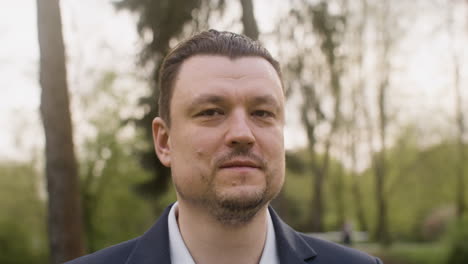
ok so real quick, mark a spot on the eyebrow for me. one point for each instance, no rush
(205, 99)
(265, 99)
(218, 99)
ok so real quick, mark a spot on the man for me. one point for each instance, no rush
(220, 131)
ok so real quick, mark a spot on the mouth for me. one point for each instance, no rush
(240, 164)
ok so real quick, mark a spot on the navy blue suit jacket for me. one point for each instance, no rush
(293, 248)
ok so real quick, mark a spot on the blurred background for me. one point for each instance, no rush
(376, 132)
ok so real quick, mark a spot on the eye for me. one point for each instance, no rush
(210, 112)
(263, 113)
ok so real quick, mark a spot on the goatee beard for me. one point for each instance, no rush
(236, 212)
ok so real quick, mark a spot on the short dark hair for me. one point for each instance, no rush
(209, 42)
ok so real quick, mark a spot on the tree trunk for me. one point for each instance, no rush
(359, 92)
(361, 217)
(461, 202)
(459, 118)
(460, 190)
(317, 208)
(64, 213)
(248, 20)
(382, 233)
(387, 42)
(318, 203)
(339, 199)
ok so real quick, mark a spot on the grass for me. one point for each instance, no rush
(409, 253)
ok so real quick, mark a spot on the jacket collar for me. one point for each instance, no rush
(153, 246)
(291, 246)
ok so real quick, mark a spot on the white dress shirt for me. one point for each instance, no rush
(181, 255)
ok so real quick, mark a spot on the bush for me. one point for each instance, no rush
(23, 237)
(458, 252)
(436, 223)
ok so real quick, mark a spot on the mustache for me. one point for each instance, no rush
(240, 153)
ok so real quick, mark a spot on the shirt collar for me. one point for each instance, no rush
(179, 252)
(181, 255)
(270, 254)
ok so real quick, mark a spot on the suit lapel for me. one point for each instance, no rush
(153, 246)
(292, 249)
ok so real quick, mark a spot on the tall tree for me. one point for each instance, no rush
(327, 29)
(64, 212)
(385, 46)
(460, 199)
(358, 106)
(248, 19)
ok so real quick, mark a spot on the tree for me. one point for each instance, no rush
(379, 160)
(315, 72)
(64, 212)
(248, 19)
(23, 237)
(108, 168)
(460, 200)
(358, 106)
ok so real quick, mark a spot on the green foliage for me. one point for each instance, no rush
(298, 193)
(420, 188)
(114, 212)
(22, 221)
(420, 180)
(410, 253)
(427, 181)
(117, 212)
(458, 252)
(109, 171)
(436, 223)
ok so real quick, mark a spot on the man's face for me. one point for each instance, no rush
(225, 145)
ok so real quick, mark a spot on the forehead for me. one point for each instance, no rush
(223, 66)
(212, 72)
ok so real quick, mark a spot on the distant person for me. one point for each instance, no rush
(346, 233)
(220, 130)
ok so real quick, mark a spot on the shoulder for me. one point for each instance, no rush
(330, 252)
(116, 254)
(293, 245)
(151, 247)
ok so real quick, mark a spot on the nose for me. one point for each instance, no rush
(239, 132)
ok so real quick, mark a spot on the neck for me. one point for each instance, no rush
(210, 241)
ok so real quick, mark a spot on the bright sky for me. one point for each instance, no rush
(98, 37)
(18, 70)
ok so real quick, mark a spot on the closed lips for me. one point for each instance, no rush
(240, 163)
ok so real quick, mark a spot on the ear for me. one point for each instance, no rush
(161, 141)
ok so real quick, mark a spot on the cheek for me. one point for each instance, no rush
(272, 143)
(191, 154)
(272, 146)
(200, 152)
(204, 144)
(190, 144)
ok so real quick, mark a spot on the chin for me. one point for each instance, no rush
(242, 198)
(242, 193)
(239, 207)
